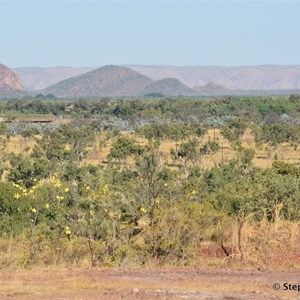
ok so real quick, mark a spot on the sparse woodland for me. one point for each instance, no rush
(212, 182)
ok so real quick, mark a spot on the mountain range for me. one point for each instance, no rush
(265, 77)
(137, 80)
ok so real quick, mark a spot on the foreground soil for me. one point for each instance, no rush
(146, 284)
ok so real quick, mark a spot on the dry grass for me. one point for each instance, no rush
(99, 151)
(263, 158)
(265, 245)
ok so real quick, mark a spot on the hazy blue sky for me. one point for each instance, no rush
(74, 33)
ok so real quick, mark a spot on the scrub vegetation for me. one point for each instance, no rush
(176, 182)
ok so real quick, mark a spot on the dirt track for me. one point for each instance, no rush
(145, 284)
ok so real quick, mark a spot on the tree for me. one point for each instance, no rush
(123, 147)
(27, 170)
(242, 200)
(152, 181)
(189, 152)
(78, 139)
(234, 131)
(3, 128)
(154, 132)
(276, 134)
(177, 133)
(52, 147)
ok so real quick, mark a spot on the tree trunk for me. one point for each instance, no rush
(241, 222)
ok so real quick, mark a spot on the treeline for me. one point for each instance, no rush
(251, 108)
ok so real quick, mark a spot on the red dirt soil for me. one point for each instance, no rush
(146, 284)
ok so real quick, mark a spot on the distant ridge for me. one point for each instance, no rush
(264, 77)
(112, 81)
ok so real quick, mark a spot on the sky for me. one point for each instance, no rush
(183, 33)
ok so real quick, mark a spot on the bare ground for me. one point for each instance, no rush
(146, 284)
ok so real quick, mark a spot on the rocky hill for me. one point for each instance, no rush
(112, 81)
(167, 87)
(10, 85)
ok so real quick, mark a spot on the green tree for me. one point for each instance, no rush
(123, 147)
(189, 152)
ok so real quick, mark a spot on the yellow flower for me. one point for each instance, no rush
(31, 191)
(66, 190)
(33, 210)
(165, 184)
(92, 212)
(34, 187)
(17, 196)
(53, 178)
(34, 179)
(58, 184)
(60, 198)
(194, 192)
(47, 205)
(87, 187)
(143, 210)
(105, 189)
(68, 230)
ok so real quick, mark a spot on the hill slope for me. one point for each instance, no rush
(168, 87)
(110, 81)
(10, 85)
(35, 78)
